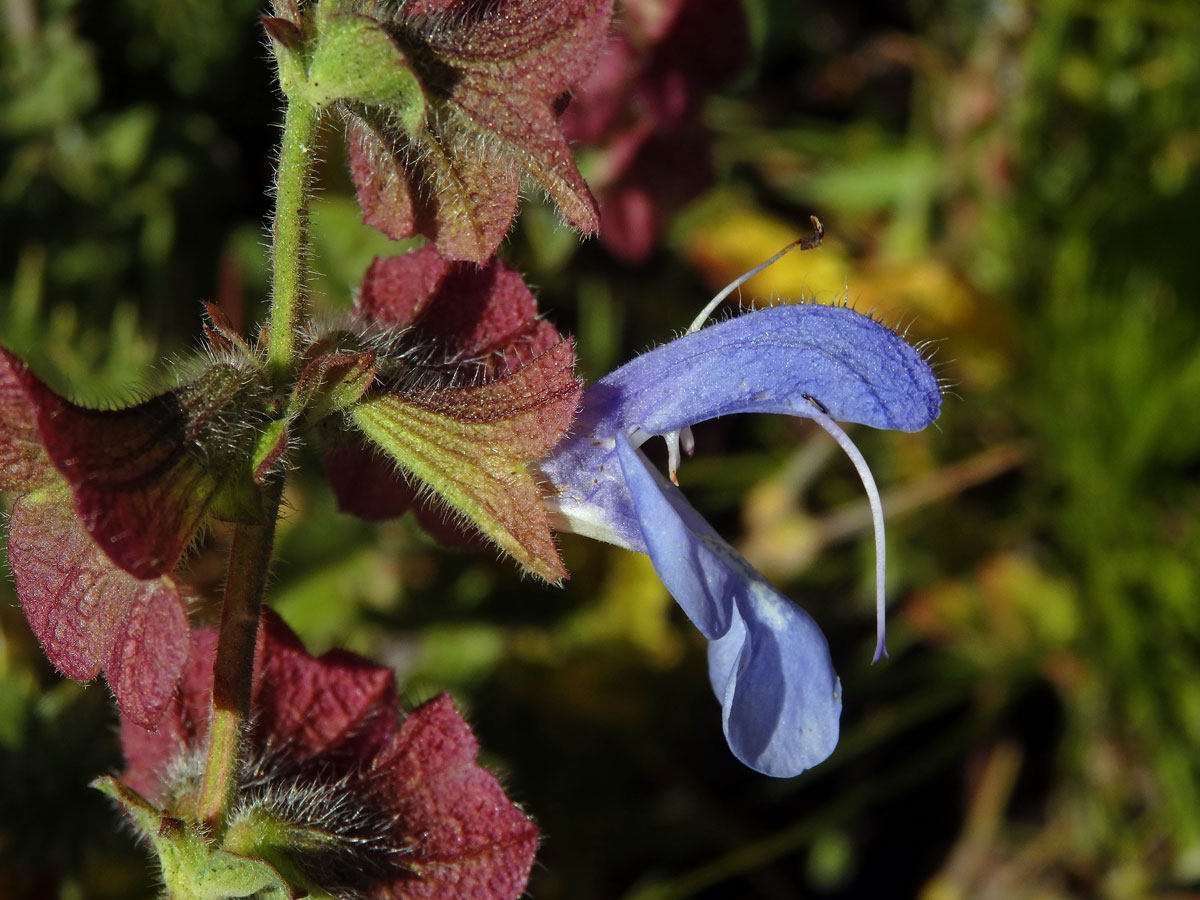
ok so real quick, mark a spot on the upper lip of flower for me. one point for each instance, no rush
(769, 663)
(798, 360)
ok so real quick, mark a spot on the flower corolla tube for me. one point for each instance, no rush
(769, 662)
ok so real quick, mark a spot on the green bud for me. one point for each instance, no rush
(357, 60)
(287, 43)
(240, 498)
(330, 383)
(271, 446)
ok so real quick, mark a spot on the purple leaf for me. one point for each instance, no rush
(448, 164)
(143, 477)
(91, 616)
(438, 826)
(478, 388)
(639, 113)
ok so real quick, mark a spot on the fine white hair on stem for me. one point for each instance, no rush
(868, 480)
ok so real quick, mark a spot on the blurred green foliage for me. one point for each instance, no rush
(1015, 180)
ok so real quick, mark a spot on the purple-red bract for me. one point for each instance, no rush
(640, 113)
(485, 360)
(489, 75)
(451, 831)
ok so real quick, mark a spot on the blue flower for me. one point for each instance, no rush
(768, 661)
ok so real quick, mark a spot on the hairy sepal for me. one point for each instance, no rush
(472, 445)
(91, 616)
(444, 156)
(475, 843)
(467, 325)
(441, 184)
(483, 317)
(191, 868)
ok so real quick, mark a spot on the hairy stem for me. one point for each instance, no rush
(233, 669)
(289, 247)
(253, 544)
(250, 554)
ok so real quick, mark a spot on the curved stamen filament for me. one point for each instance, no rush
(868, 481)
